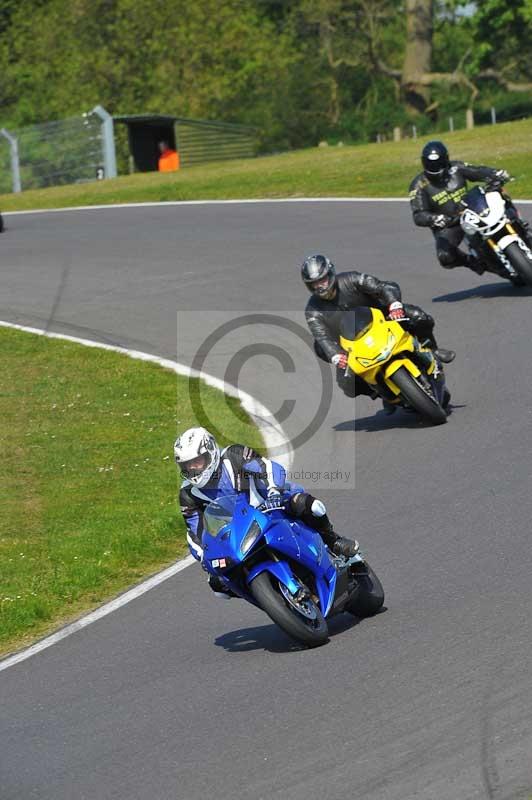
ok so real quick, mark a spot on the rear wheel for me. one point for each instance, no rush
(520, 261)
(370, 595)
(300, 618)
(417, 397)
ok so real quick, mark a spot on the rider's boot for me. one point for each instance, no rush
(340, 545)
(313, 513)
(445, 356)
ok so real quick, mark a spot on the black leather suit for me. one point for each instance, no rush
(429, 200)
(356, 289)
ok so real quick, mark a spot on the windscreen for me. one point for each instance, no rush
(475, 200)
(356, 323)
(219, 513)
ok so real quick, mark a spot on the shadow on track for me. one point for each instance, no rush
(484, 291)
(272, 638)
(383, 422)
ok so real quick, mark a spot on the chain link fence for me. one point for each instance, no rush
(53, 153)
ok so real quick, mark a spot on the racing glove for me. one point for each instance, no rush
(440, 221)
(502, 175)
(273, 503)
(339, 360)
(396, 311)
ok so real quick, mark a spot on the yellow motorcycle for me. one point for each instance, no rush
(394, 364)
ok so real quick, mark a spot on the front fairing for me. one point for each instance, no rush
(484, 212)
(233, 529)
(297, 542)
(280, 542)
(369, 353)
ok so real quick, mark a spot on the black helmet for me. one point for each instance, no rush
(435, 160)
(319, 276)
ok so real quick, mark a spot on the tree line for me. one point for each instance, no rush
(298, 70)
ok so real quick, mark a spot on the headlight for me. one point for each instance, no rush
(254, 533)
(388, 351)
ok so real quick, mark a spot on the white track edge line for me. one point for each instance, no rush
(251, 201)
(271, 430)
(170, 203)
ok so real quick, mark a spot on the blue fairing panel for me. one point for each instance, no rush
(280, 569)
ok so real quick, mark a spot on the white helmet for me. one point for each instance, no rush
(197, 455)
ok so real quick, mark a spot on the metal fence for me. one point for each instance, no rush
(458, 120)
(199, 141)
(74, 150)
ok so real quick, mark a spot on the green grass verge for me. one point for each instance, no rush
(375, 170)
(87, 477)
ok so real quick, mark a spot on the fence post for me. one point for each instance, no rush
(493, 116)
(470, 120)
(397, 134)
(414, 132)
(108, 135)
(451, 124)
(15, 161)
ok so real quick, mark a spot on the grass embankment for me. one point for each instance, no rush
(87, 477)
(374, 170)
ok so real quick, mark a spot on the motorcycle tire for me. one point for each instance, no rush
(310, 632)
(425, 405)
(1, 224)
(370, 595)
(520, 261)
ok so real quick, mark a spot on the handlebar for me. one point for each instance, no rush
(496, 184)
(454, 221)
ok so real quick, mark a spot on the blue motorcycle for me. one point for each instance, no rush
(282, 566)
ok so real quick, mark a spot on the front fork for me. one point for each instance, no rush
(499, 252)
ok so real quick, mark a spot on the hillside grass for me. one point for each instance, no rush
(87, 477)
(373, 170)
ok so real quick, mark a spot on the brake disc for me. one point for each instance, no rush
(302, 604)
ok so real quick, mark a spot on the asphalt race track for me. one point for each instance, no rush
(180, 696)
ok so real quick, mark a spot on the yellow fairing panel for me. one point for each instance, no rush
(370, 351)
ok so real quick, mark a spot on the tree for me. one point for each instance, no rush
(417, 62)
(502, 35)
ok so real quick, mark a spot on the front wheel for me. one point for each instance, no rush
(427, 406)
(520, 261)
(301, 619)
(369, 597)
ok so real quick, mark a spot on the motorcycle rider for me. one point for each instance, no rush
(210, 473)
(435, 196)
(333, 293)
